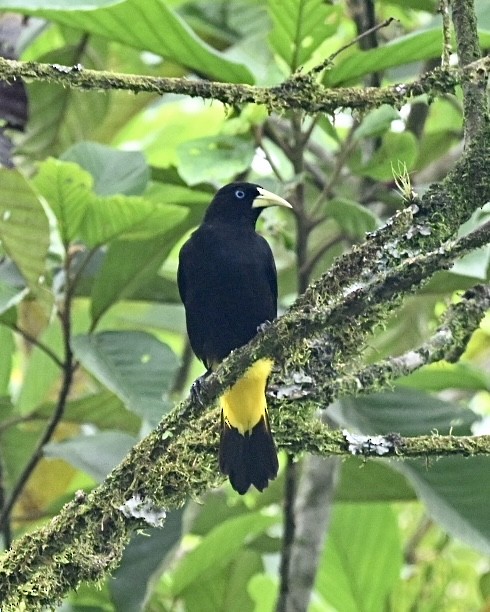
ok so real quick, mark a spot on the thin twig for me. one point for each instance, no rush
(259, 141)
(36, 342)
(326, 63)
(68, 369)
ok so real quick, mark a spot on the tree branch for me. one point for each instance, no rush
(474, 89)
(300, 91)
(91, 531)
(86, 539)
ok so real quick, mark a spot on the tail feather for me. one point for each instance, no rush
(250, 458)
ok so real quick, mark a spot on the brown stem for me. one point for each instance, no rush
(68, 369)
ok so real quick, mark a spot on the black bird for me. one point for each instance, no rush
(228, 283)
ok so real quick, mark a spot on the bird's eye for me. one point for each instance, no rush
(240, 194)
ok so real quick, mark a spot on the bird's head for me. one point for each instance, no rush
(242, 202)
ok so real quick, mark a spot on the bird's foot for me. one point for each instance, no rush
(196, 388)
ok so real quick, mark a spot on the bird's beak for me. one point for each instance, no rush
(267, 198)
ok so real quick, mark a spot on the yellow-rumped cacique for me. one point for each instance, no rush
(228, 283)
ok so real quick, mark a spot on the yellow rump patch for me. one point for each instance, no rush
(244, 404)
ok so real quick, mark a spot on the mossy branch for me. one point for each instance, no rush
(86, 539)
(300, 91)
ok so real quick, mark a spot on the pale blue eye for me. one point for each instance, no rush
(239, 194)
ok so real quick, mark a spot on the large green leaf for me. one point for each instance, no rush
(355, 220)
(113, 171)
(398, 151)
(403, 50)
(217, 549)
(24, 233)
(172, 123)
(104, 410)
(362, 558)
(299, 28)
(141, 558)
(129, 217)
(134, 365)
(371, 481)
(152, 26)
(67, 189)
(60, 116)
(227, 590)
(215, 159)
(377, 122)
(406, 411)
(62, 5)
(443, 375)
(456, 491)
(129, 265)
(95, 454)
(263, 590)
(10, 296)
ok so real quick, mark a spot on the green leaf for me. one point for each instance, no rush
(433, 145)
(355, 220)
(263, 590)
(96, 219)
(217, 549)
(67, 189)
(420, 5)
(456, 491)
(129, 217)
(396, 148)
(134, 365)
(24, 233)
(299, 28)
(18, 444)
(60, 116)
(171, 123)
(362, 558)
(403, 50)
(226, 591)
(124, 172)
(10, 296)
(215, 159)
(406, 411)
(95, 454)
(141, 558)
(104, 410)
(6, 359)
(377, 122)
(128, 266)
(151, 26)
(371, 481)
(443, 375)
(62, 5)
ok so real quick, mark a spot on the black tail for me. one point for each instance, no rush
(249, 459)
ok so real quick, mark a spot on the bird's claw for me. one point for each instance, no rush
(263, 326)
(196, 388)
